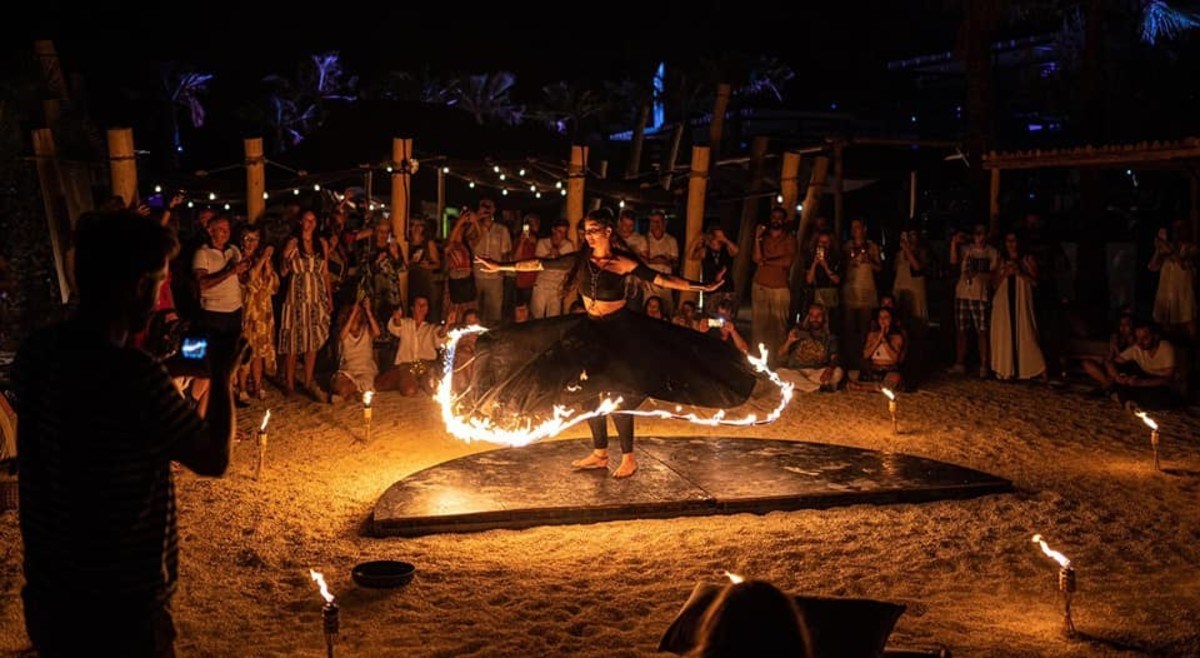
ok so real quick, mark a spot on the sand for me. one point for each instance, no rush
(967, 570)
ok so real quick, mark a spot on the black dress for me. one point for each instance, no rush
(521, 372)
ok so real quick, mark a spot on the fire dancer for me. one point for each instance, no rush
(608, 352)
(101, 423)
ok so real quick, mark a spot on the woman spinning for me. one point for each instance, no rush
(609, 352)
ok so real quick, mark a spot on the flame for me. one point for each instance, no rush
(367, 395)
(583, 376)
(734, 578)
(1053, 554)
(1147, 420)
(319, 579)
(266, 419)
(888, 392)
(483, 429)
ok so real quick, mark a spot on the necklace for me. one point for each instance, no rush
(595, 272)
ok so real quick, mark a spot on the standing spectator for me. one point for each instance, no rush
(547, 298)
(859, 294)
(824, 274)
(526, 248)
(423, 261)
(1175, 262)
(662, 255)
(101, 423)
(217, 267)
(1015, 350)
(636, 242)
(383, 262)
(909, 286)
(259, 285)
(715, 253)
(460, 292)
(304, 323)
(774, 251)
(972, 295)
(491, 241)
(809, 356)
(1048, 255)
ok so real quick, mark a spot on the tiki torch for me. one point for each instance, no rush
(891, 408)
(366, 399)
(1066, 582)
(1153, 436)
(262, 445)
(329, 612)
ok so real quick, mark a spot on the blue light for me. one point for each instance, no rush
(179, 149)
(1162, 21)
(833, 106)
(660, 114)
(1034, 127)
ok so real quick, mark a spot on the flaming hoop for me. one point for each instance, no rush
(471, 429)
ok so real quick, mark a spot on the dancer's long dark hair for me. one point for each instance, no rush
(604, 217)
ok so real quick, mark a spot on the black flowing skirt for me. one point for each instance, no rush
(523, 371)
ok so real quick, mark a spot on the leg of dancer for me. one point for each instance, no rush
(599, 456)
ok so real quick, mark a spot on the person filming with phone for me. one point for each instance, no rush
(101, 423)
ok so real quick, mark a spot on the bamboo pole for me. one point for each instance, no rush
(716, 129)
(122, 164)
(601, 173)
(789, 183)
(697, 187)
(812, 208)
(441, 203)
(401, 183)
(750, 207)
(1195, 205)
(47, 170)
(994, 205)
(256, 181)
(838, 188)
(912, 195)
(576, 178)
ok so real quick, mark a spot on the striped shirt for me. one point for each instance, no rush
(98, 425)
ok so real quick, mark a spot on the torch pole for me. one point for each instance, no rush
(262, 454)
(892, 411)
(1154, 445)
(367, 418)
(1066, 585)
(329, 615)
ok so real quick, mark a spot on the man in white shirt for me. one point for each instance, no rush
(973, 295)
(627, 230)
(416, 365)
(216, 266)
(547, 290)
(493, 242)
(662, 255)
(1144, 373)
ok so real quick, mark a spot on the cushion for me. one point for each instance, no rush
(839, 627)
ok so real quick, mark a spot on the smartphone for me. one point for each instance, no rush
(194, 348)
(525, 228)
(716, 322)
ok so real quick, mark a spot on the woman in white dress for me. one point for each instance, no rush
(1175, 262)
(357, 367)
(1016, 353)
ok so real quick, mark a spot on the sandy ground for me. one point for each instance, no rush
(966, 569)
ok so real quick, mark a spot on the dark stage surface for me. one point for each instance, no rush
(535, 485)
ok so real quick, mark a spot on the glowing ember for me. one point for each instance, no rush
(1147, 420)
(1053, 554)
(367, 395)
(319, 579)
(734, 578)
(888, 392)
(483, 429)
(266, 419)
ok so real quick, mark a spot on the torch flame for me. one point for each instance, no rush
(266, 419)
(583, 376)
(1053, 554)
(367, 395)
(1147, 420)
(483, 429)
(734, 578)
(888, 392)
(319, 579)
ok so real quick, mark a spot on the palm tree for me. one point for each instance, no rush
(570, 109)
(487, 97)
(633, 99)
(297, 107)
(183, 90)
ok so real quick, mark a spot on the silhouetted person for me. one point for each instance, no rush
(753, 618)
(101, 423)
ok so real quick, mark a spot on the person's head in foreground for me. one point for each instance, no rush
(121, 263)
(752, 618)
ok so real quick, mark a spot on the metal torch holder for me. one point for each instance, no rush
(1066, 585)
(331, 623)
(367, 413)
(261, 441)
(1154, 445)
(892, 411)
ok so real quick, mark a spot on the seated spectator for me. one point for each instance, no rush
(752, 618)
(723, 327)
(357, 368)
(578, 307)
(416, 366)
(654, 308)
(686, 316)
(1143, 373)
(809, 355)
(882, 354)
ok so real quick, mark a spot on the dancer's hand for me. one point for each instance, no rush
(488, 265)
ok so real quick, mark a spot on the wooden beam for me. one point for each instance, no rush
(601, 173)
(697, 186)
(994, 205)
(912, 195)
(789, 183)
(1103, 156)
(122, 164)
(750, 208)
(401, 184)
(576, 178)
(817, 180)
(716, 129)
(55, 206)
(256, 181)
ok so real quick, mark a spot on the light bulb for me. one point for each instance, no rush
(266, 196)
(537, 195)
(621, 203)
(779, 199)
(496, 168)
(521, 172)
(471, 185)
(227, 206)
(316, 187)
(564, 192)
(558, 184)
(445, 170)
(533, 188)
(502, 176)
(158, 189)
(504, 192)
(191, 205)
(212, 196)
(389, 169)
(799, 207)
(296, 191)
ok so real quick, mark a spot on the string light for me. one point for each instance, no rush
(266, 196)
(533, 188)
(564, 192)
(799, 207)
(158, 189)
(316, 187)
(621, 203)
(558, 184)
(471, 185)
(537, 195)
(504, 191)
(521, 172)
(779, 199)
(212, 196)
(296, 191)
(496, 169)
(227, 206)
(389, 169)
(501, 176)
(191, 205)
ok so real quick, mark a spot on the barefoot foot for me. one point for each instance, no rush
(594, 460)
(628, 467)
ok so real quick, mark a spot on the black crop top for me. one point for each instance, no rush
(598, 283)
